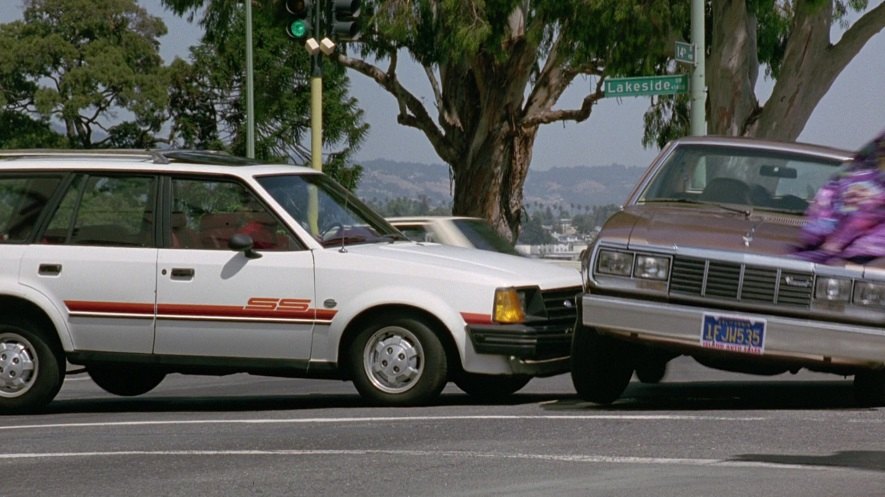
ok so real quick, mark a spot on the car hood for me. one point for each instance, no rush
(432, 260)
(708, 227)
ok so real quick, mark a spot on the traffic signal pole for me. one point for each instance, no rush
(316, 94)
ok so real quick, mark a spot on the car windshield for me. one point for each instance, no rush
(482, 236)
(329, 212)
(756, 178)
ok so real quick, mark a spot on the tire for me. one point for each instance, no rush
(398, 362)
(601, 366)
(490, 387)
(126, 381)
(651, 371)
(869, 388)
(31, 370)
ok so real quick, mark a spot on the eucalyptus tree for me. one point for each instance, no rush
(91, 67)
(794, 42)
(497, 71)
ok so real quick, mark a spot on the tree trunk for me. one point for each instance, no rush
(810, 65)
(732, 68)
(490, 185)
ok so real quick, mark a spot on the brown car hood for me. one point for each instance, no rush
(703, 227)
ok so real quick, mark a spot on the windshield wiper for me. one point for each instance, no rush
(392, 237)
(746, 211)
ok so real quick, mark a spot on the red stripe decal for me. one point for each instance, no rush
(474, 318)
(110, 307)
(208, 311)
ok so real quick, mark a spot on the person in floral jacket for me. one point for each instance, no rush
(846, 220)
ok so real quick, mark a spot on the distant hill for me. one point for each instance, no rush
(578, 185)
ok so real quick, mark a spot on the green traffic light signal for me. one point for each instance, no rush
(298, 28)
(301, 11)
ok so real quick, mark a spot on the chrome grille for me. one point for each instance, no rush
(555, 303)
(731, 281)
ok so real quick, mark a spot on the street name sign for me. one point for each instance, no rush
(646, 85)
(684, 52)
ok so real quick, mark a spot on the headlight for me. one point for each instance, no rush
(612, 262)
(832, 289)
(651, 267)
(509, 306)
(869, 293)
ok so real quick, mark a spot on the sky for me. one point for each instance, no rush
(851, 113)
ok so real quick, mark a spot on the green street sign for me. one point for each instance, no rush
(684, 52)
(646, 85)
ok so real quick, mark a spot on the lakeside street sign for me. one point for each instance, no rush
(684, 52)
(646, 85)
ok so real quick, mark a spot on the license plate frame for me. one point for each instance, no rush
(733, 333)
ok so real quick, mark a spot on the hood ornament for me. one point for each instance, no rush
(750, 235)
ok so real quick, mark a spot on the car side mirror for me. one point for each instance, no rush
(241, 242)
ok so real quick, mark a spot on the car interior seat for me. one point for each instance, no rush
(727, 190)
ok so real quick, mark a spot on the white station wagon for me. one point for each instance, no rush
(135, 265)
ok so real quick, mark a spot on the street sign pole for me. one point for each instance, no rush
(698, 94)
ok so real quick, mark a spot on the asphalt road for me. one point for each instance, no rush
(699, 433)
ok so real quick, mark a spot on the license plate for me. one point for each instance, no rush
(733, 333)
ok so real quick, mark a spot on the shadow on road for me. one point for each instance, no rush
(723, 395)
(868, 460)
(666, 396)
(239, 403)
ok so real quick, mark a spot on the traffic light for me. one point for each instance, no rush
(298, 24)
(345, 19)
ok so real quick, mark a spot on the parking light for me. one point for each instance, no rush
(509, 306)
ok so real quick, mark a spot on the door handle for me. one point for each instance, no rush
(49, 269)
(182, 273)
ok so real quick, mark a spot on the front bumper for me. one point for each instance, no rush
(541, 350)
(791, 339)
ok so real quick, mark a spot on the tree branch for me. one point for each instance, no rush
(854, 39)
(411, 111)
(577, 115)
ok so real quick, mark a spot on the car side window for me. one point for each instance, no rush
(206, 213)
(105, 210)
(22, 200)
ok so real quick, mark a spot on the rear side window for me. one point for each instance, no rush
(115, 211)
(22, 199)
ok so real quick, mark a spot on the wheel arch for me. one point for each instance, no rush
(18, 309)
(361, 320)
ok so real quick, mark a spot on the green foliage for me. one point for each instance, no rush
(209, 96)
(668, 118)
(81, 62)
(533, 232)
(21, 131)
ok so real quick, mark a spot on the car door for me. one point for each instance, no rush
(97, 257)
(213, 301)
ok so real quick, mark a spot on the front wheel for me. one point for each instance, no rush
(398, 362)
(124, 381)
(31, 373)
(869, 388)
(601, 366)
(490, 387)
